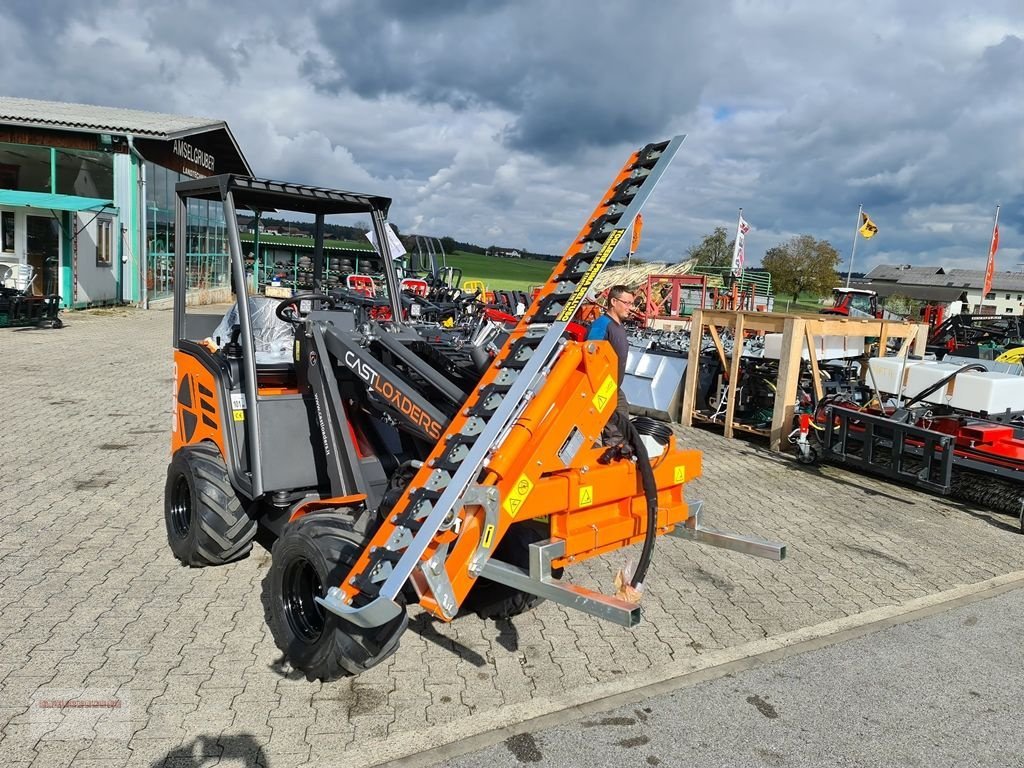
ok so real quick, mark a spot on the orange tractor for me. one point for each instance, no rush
(383, 479)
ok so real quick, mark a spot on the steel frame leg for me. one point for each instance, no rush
(540, 581)
(694, 530)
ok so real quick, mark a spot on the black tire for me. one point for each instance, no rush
(313, 554)
(206, 522)
(490, 600)
(809, 459)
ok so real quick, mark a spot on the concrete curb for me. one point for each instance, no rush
(488, 728)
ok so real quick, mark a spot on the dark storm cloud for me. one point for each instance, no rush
(197, 29)
(501, 121)
(572, 74)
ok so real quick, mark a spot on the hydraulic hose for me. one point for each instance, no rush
(659, 430)
(643, 462)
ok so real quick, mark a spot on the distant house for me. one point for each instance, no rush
(1006, 296)
(894, 273)
(505, 253)
(248, 224)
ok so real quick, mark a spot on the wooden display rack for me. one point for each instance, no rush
(798, 331)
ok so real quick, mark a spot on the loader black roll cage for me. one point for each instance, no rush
(234, 193)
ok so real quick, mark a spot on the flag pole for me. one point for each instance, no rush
(995, 225)
(853, 251)
(743, 266)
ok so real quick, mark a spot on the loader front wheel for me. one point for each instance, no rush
(206, 521)
(314, 554)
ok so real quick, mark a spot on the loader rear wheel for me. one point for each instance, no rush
(206, 521)
(312, 555)
(490, 600)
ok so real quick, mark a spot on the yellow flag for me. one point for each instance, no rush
(867, 227)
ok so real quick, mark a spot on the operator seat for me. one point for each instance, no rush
(361, 284)
(416, 286)
(272, 337)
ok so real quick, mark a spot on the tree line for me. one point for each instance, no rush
(358, 229)
(802, 264)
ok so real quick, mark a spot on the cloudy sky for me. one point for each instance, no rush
(502, 122)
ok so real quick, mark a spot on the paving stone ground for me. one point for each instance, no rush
(172, 666)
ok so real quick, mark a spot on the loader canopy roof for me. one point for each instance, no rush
(264, 195)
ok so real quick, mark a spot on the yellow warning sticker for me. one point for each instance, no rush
(605, 393)
(238, 415)
(679, 475)
(488, 537)
(516, 497)
(586, 495)
(590, 275)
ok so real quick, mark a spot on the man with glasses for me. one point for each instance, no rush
(609, 328)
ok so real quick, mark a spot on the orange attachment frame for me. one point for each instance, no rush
(594, 507)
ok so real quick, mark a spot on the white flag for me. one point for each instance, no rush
(738, 254)
(394, 244)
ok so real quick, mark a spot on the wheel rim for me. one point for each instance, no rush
(181, 508)
(301, 585)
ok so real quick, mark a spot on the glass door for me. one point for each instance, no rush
(42, 250)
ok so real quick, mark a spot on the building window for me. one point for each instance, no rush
(104, 242)
(207, 263)
(1007, 297)
(990, 295)
(25, 168)
(7, 231)
(85, 174)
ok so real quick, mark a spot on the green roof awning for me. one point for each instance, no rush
(52, 202)
(307, 242)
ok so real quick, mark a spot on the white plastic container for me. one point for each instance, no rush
(825, 347)
(922, 376)
(989, 392)
(886, 372)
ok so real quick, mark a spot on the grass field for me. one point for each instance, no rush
(517, 274)
(808, 303)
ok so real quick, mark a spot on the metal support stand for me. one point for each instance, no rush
(748, 545)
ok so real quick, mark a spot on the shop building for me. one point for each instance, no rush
(87, 202)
